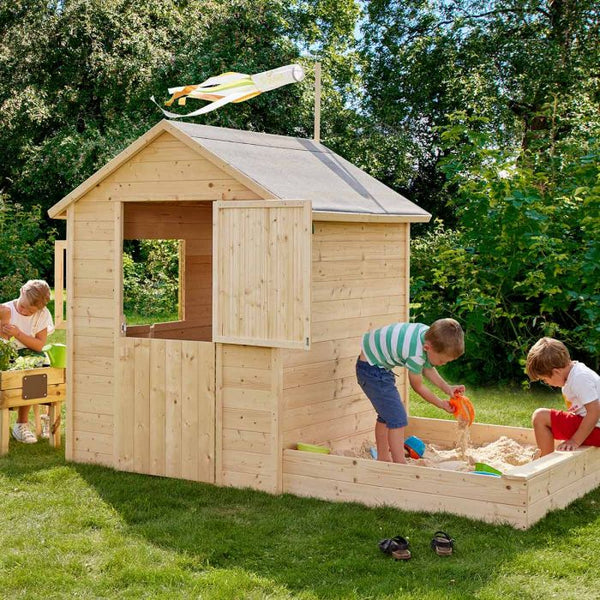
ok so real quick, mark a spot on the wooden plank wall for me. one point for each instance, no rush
(165, 421)
(91, 327)
(169, 170)
(165, 171)
(191, 222)
(248, 445)
(360, 281)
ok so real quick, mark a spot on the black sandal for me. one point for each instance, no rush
(397, 547)
(442, 543)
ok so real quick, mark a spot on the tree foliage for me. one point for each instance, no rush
(525, 261)
(151, 279)
(502, 60)
(498, 105)
(25, 252)
(76, 76)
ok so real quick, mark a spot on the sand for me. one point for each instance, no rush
(502, 454)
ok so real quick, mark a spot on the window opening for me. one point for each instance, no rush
(152, 272)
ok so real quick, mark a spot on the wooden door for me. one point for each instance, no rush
(165, 416)
(262, 273)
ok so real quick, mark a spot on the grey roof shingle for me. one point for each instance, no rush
(300, 168)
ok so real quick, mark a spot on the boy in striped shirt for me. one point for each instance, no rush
(419, 349)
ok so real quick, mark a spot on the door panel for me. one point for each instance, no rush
(262, 273)
(165, 414)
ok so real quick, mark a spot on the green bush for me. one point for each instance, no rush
(525, 261)
(151, 278)
(26, 251)
(8, 353)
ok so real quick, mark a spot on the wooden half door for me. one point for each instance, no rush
(262, 273)
(165, 410)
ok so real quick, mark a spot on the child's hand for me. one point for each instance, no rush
(568, 446)
(10, 330)
(445, 405)
(456, 388)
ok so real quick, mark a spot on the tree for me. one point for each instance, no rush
(76, 76)
(504, 61)
(500, 103)
(524, 262)
(24, 252)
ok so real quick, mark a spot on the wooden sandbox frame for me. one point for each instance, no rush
(520, 497)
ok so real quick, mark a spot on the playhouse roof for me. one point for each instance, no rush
(279, 166)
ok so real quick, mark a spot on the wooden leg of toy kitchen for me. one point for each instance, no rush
(54, 414)
(4, 430)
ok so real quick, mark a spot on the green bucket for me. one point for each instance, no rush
(57, 354)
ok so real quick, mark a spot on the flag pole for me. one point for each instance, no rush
(317, 128)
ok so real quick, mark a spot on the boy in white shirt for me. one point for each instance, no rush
(29, 322)
(549, 361)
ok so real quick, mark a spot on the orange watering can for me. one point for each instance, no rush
(463, 408)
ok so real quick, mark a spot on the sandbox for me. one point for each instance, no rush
(521, 496)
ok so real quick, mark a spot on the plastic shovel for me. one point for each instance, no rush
(484, 469)
(463, 408)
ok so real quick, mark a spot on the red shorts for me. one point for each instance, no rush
(564, 425)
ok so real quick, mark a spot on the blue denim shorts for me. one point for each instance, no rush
(380, 388)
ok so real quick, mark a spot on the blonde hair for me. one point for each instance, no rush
(544, 356)
(37, 293)
(446, 336)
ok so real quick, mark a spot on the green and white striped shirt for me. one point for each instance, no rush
(400, 344)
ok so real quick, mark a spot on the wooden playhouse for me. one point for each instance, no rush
(288, 253)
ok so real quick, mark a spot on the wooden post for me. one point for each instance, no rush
(60, 247)
(317, 131)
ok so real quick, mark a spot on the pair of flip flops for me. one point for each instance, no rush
(399, 548)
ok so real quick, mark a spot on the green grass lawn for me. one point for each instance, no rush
(81, 531)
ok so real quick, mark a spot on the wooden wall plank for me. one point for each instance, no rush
(158, 403)
(178, 191)
(95, 403)
(124, 410)
(358, 251)
(93, 250)
(190, 394)
(96, 458)
(94, 230)
(206, 412)
(328, 432)
(85, 287)
(93, 422)
(141, 402)
(173, 413)
(191, 169)
(349, 289)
